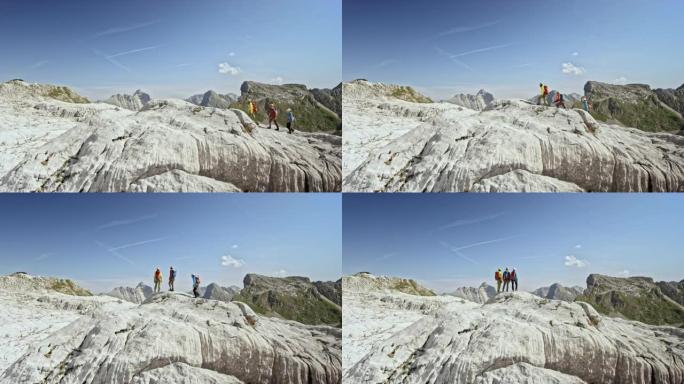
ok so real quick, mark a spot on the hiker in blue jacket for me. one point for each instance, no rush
(290, 121)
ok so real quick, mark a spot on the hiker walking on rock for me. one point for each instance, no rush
(195, 285)
(272, 116)
(558, 100)
(172, 278)
(498, 277)
(514, 280)
(506, 279)
(290, 121)
(157, 280)
(543, 94)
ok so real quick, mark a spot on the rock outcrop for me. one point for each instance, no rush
(478, 102)
(134, 102)
(213, 99)
(635, 298)
(479, 295)
(331, 290)
(21, 281)
(136, 295)
(169, 338)
(512, 146)
(168, 146)
(558, 292)
(295, 298)
(214, 291)
(311, 114)
(632, 105)
(673, 289)
(391, 337)
(366, 282)
(673, 98)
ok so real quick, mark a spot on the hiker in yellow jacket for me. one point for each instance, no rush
(252, 109)
(543, 94)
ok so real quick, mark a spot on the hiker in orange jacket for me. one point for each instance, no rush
(157, 280)
(498, 276)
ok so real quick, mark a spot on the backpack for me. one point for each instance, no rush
(496, 276)
(197, 280)
(561, 96)
(512, 275)
(172, 274)
(546, 90)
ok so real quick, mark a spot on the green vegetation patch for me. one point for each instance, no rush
(649, 309)
(304, 307)
(412, 288)
(409, 94)
(68, 287)
(67, 95)
(309, 115)
(646, 115)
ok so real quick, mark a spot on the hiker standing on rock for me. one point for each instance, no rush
(172, 278)
(290, 121)
(514, 280)
(506, 279)
(252, 108)
(195, 285)
(543, 94)
(558, 100)
(272, 116)
(498, 277)
(157, 280)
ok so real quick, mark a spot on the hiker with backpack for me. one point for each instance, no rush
(290, 121)
(506, 280)
(252, 108)
(272, 116)
(514, 280)
(543, 94)
(172, 278)
(558, 100)
(157, 280)
(498, 277)
(195, 285)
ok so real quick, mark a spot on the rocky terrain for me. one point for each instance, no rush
(295, 298)
(136, 295)
(331, 98)
(558, 292)
(214, 291)
(314, 110)
(50, 143)
(213, 99)
(634, 105)
(393, 337)
(636, 298)
(478, 102)
(51, 337)
(391, 145)
(673, 98)
(367, 282)
(135, 102)
(479, 295)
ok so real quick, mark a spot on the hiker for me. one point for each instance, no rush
(272, 116)
(506, 279)
(290, 121)
(195, 285)
(543, 94)
(172, 278)
(252, 110)
(585, 103)
(514, 280)
(498, 277)
(157, 280)
(558, 100)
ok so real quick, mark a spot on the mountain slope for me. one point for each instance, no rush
(213, 99)
(635, 298)
(365, 282)
(674, 98)
(391, 337)
(512, 146)
(479, 295)
(170, 145)
(216, 292)
(632, 105)
(558, 292)
(294, 298)
(25, 282)
(481, 100)
(134, 102)
(137, 295)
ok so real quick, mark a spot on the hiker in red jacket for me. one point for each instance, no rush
(272, 116)
(498, 277)
(514, 280)
(558, 100)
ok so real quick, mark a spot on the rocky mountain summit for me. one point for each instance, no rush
(137, 295)
(391, 145)
(673, 98)
(313, 110)
(635, 105)
(558, 292)
(47, 145)
(21, 281)
(214, 291)
(365, 282)
(636, 298)
(213, 99)
(392, 337)
(135, 102)
(57, 338)
(331, 98)
(295, 298)
(479, 295)
(478, 102)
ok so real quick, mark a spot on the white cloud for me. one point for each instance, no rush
(578, 246)
(228, 69)
(234, 246)
(232, 54)
(575, 54)
(572, 261)
(281, 273)
(230, 261)
(620, 80)
(572, 69)
(277, 80)
(624, 273)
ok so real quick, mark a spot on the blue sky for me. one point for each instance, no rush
(508, 47)
(170, 48)
(107, 240)
(451, 240)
